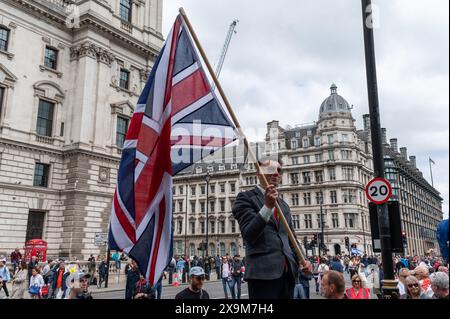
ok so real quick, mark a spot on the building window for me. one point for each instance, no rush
(308, 221)
(318, 175)
(345, 138)
(222, 187)
(347, 173)
(307, 198)
(317, 141)
(232, 187)
(333, 197)
(2, 94)
(180, 206)
(305, 142)
(233, 226)
(222, 226)
(332, 174)
(202, 227)
(181, 189)
(193, 190)
(348, 196)
(294, 198)
(330, 138)
(306, 159)
(222, 205)
(193, 207)
(306, 177)
(202, 207)
(293, 144)
(319, 199)
(295, 160)
(35, 225)
(122, 126)
(51, 57)
(212, 188)
(124, 79)
(346, 155)
(125, 10)
(318, 158)
(4, 35)
(296, 221)
(212, 225)
(331, 155)
(192, 228)
(349, 220)
(41, 172)
(44, 124)
(179, 227)
(202, 189)
(335, 220)
(294, 178)
(212, 207)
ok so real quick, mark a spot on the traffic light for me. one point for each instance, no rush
(347, 241)
(404, 238)
(315, 237)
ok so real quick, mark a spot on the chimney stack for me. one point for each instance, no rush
(383, 136)
(366, 122)
(404, 152)
(394, 145)
(412, 159)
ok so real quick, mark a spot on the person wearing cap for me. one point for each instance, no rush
(195, 289)
(79, 287)
(271, 265)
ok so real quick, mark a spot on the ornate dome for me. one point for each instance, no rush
(334, 103)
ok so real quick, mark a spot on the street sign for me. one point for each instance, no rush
(378, 190)
(100, 239)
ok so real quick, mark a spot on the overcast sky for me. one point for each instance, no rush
(286, 54)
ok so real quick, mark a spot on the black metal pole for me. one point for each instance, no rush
(389, 284)
(322, 237)
(364, 231)
(108, 252)
(207, 206)
(186, 220)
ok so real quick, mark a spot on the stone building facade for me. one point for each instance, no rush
(70, 74)
(326, 166)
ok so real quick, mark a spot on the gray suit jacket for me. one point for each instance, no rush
(267, 243)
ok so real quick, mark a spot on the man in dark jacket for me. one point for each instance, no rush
(336, 265)
(271, 265)
(236, 277)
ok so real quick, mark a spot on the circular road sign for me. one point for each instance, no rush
(378, 190)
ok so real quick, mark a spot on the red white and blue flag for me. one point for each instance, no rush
(177, 121)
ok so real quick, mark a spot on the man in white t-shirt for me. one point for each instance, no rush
(225, 271)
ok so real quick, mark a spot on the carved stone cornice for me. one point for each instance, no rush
(89, 49)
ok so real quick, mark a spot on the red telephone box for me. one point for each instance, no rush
(36, 247)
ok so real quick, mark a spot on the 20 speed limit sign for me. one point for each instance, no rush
(378, 190)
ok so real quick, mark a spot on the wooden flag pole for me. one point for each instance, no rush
(262, 178)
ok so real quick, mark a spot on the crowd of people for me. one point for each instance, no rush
(419, 277)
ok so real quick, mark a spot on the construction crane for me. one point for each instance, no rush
(231, 30)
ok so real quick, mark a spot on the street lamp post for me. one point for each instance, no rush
(322, 237)
(207, 178)
(364, 231)
(186, 221)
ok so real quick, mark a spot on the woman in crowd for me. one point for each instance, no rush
(413, 289)
(36, 283)
(357, 291)
(19, 282)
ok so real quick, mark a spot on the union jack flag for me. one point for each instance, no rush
(177, 121)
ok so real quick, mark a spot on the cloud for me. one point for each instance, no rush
(285, 55)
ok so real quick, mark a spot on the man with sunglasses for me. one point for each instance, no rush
(271, 268)
(195, 289)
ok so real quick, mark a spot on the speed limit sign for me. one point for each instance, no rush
(378, 190)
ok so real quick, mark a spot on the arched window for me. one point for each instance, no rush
(233, 249)
(191, 249)
(212, 249)
(222, 249)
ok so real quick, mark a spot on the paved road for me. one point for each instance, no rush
(214, 288)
